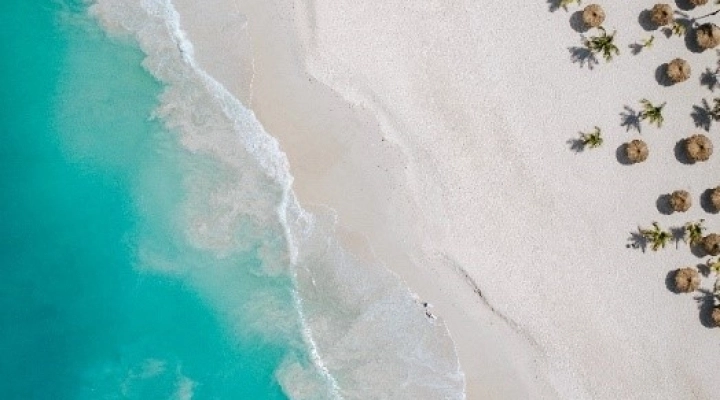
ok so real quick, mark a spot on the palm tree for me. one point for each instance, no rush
(603, 44)
(652, 113)
(565, 3)
(680, 200)
(687, 280)
(714, 265)
(678, 29)
(715, 111)
(593, 15)
(694, 232)
(592, 139)
(658, 237)
(647, 43)
(711, 244)
(698, 147)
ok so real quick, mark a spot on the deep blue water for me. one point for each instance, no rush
(88, 183)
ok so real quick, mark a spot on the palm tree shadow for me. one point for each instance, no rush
(663, 204)
(709, 78)
(701, 115)
(706, 203)
(661, 75)
(678, 234)
(576, 145)
(681, 154)
(636, 48)
(637, 241)
(630, 119)
(583, 56)
(706, 304)
(577, 23)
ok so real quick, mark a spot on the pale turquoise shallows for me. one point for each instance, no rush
(89, 186)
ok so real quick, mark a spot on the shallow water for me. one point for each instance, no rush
(89, 186)
(151, 244)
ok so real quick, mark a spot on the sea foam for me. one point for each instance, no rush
(362, 329)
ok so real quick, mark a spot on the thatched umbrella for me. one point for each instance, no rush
(680, 200)
(678, 70)
(711, 244)
(593, 15)
(698, 147)
(687, 280)
(708, 35)
(637, 151)
(661, 14)
(715, 198)
(715, 316)
(698, 2)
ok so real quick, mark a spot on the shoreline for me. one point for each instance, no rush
(399, 199)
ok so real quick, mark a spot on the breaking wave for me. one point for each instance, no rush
(363, 333)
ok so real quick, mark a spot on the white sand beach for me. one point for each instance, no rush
(438, 133)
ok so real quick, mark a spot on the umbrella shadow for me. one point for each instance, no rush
(702, 116)
(646, 22)
(670, 282)
(577, 23)
(621, 155)
(663, 204)
(583, 56)
(637, 241)
(681, 152)
(684, 5)
(630, 119)
(706, 203)
(661, 75)
(706, 305)
(698, 251)
(709, 78)
(691, 38)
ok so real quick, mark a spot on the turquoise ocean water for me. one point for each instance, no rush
(89, 188)
(151, 246)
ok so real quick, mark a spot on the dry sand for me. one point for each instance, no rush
(437, 131)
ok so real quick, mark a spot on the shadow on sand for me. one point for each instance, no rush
(621, 155)
(706, 203)
(709, 78)
(645, 21)
(706, 304)
(661, 75)
(583, 56)
(630, 119)
(681, 153)
(663, 204)
(702, 116)
(577, 23)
